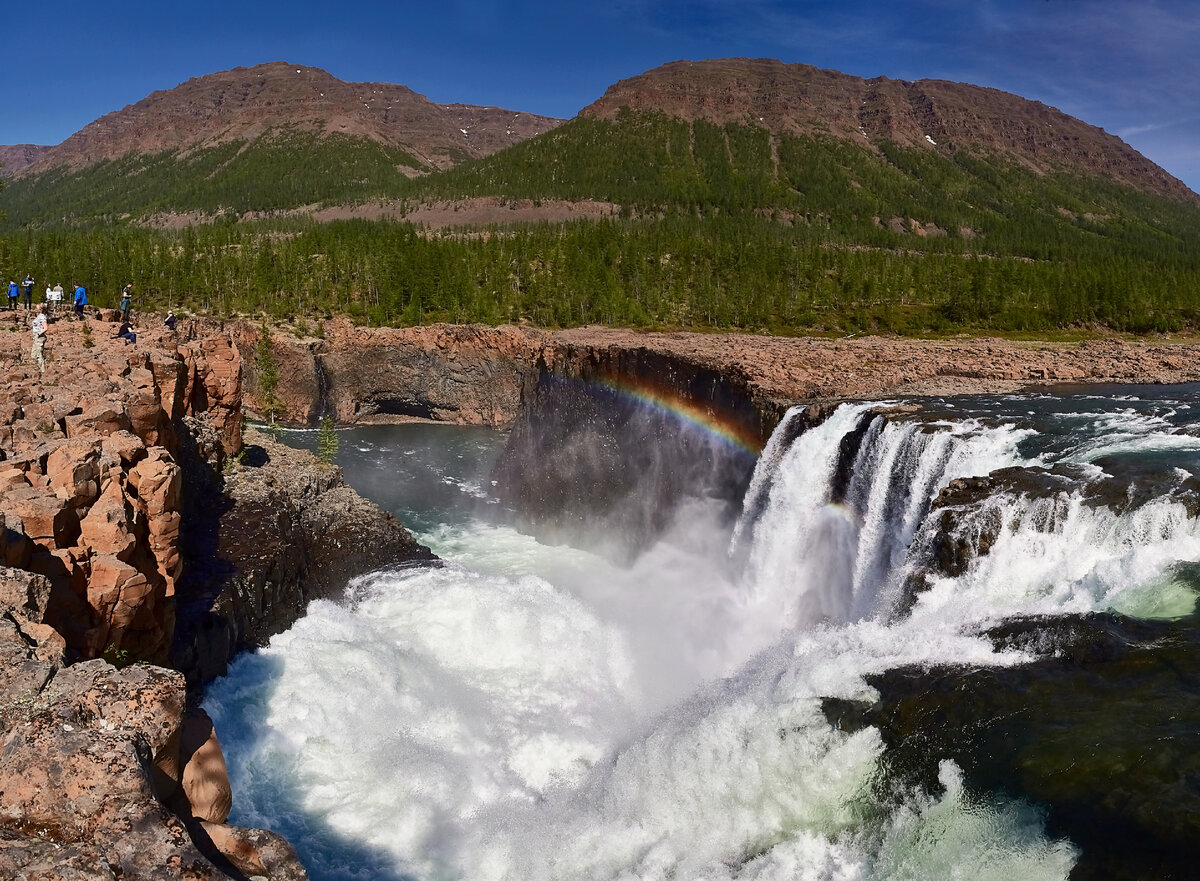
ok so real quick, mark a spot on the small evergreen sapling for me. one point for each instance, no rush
(327, 441)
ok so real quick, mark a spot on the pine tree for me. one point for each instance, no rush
(327, 441)
(268, 375)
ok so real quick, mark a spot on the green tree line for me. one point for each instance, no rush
(735, 272)
(722, 227)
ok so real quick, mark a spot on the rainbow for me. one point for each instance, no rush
(720, 426)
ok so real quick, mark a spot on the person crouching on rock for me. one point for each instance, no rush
(125, 332)
(38, 325)
(169, 321)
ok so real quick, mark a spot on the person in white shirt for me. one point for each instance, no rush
(38, 326)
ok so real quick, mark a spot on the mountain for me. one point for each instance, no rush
(16, 157)
(262, 139)
(248, 103)
(936, 115)
(728, 134)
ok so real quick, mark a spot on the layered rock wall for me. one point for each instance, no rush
(475, 375)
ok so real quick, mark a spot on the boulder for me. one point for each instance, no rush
(73, 471)
(48, 520)
(108, 527)
(191, 772)
(157, 481)
(100, 418)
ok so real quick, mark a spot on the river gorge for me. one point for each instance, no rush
(933, 638)
(936, 619)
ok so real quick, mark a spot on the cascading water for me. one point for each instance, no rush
(534, 712)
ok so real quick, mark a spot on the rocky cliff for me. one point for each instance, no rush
(115, 464)
(608, 420)
(472, 374)
(285, 529)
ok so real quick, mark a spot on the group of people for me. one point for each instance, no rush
(54, 296)
(14, 292)
(39, 325)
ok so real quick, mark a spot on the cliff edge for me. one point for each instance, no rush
(115, 463)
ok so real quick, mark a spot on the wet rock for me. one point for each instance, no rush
(1044, 732)
(610, 445)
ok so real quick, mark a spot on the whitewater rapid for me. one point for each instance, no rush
(534, 712)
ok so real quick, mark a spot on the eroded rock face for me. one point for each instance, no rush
(466, 374)
(92, 509)
(474, 374)
(78, 796)
(91, 484)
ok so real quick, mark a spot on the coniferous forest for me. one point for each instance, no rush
(715, 227)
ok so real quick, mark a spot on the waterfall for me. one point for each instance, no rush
(829, 520)
(321, 405)
(529, 711)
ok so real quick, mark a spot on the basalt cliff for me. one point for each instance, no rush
(598, 444)
(143, 541)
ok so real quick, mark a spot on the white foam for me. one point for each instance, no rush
(536, 713)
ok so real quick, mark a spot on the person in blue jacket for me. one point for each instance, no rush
(13, 293)
(80, 300)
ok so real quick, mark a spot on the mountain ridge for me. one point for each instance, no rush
(246, 103)
(941, 115)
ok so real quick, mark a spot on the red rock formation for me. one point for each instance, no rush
(92, 456)
(91, 479)
(77, 798)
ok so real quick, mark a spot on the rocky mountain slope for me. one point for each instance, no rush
(946, 117)
(247, 103)
(16, 157)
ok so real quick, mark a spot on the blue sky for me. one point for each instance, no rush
(1131, 67)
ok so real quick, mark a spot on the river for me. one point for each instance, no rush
(531, 711)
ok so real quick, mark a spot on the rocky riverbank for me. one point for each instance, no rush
(602, 421)
(475, 375)
(138, 529)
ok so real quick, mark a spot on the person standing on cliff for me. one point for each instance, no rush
(38, 326)
(126, 301)
(80, 300)
(27, 287)
(13, 293)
